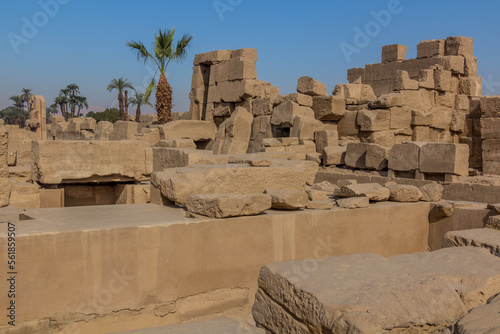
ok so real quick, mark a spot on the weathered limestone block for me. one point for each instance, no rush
(317, 195)
(402, 81)
(355, 155)
(376, 157)
(444, 158)
(441, 118)
(421, 117)
(490, 106)
(334, 155)
(442, 80)
(304, 127)
(123, 130)
(262, 106)
(314, 156)
(430, 48)
(482, 237)
(353, 202)
(56, 162)
(355, 91)
(300, 99)
(405, 157)
(319, 205)
(148, 118)
(247, 53)
(168, 157)
(177, 184)
(350, 294)
(328, 108)
(212, 57)
(288, 141)
(481, 319)
(374, 120)
(490, 128)
(261, 130)
(459, 46)
(24, 195)
(238, 90)
(426, 79)
(470, 67)
(309, 86)
(239, 68)
(404, 193)
(259, 162)
(287, 199)
(233, 136)
(462, 103)
(471, 86)
(432, 192)
(325, 186)
(177, 143)
(228, 205)
(374, 191)
(348, 125)
(324, 138)
(285, 113)
(493, 222)
(195, 130)
(272, 142)
(400, 117)
(393, 52)
(104, 130)
(387, 101)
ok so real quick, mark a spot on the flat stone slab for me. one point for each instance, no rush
(482, 319)
(219, 326)
(228, 205)
(481, 237)
(367, 293)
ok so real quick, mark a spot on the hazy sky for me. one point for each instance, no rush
(47, 44)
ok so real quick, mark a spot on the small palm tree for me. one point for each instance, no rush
(139, 100)
(120, 84)
(72, 91)
(62, 101)
(81, 102)
(165, 51)
(18, 100)
(27, 97)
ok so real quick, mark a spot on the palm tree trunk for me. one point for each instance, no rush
(138, 113)
(164, 100)
(120, 104)
(126, 105)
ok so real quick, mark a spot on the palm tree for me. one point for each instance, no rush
(120, 84)
(73, 91)
(164, 52)
(81, 102)
(18, 100)
(27, 97)
(139, 100)
(62, 101)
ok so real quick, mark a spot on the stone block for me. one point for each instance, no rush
(212, 57)
(241, 68)
(405, 157)
(490, 128)
(402, 81)
(400, 117)
(470, 68)
(133, 193)
(374, 191)
(228, 205)
(287, 199)
(490, 106)
(288, 141)
(239, 90)
(233, 136)
(334, 155)
(458, 122)
(387, 101)
(285, 113)
(304, 127)
(103, 130)
(471, 86)
(59, 162)
(432, 192)
(165, 157)
(374, 120)
(328, 108)
(421, 117)
(353, 202)
(12, 158)
(431, 48)
(426, 79)
(195, 130)
(317, 195)
(444, 158)
(462, 103)
(348, 125)
(355, 155)
(376, 157)
(404, 193)
(262, 107)
(354, 91)
(356, 75)
(271, 142)
(441, 118)
(393, 52)
(177, 143)
(319, 205)
(493, 222)
(324, 138)
(491, 156)
(442, 80)
(123, 130)
(261, 129)
(247, 53)
(300, 99)
(459, 46)
(309, 86)
(382, 138)
(177, 184)
(24, 195)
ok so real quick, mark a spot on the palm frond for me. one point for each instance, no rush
(182, 46)
(149, 89)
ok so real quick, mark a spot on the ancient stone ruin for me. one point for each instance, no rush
(370, 209)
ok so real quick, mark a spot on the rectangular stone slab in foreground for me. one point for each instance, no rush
(367, 293)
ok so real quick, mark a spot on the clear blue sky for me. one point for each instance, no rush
(84, 42)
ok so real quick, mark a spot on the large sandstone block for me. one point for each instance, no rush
(212, 57)
(334, 155)
(374, 120)
(367, 293)
(430, 48)
(239, 90)
(490, 128)
(354, 91)
(287, 199)
(374, 191)
(348, 125)
(442, 80)
(426, 79)
(324, 138)
(482, 237)
(228, 205)
(491, 156)
(177, 184)
(304, 127)
(393, 52)
(459, 46)
(196, 130)
(25, 195)
(309, 86)
(300, 99)
(405, 157)
(471, 86)
(233, 136)
(355, 155)
(376, 157)
(285, 113)
(103, 130)
(123, 130)
(59, 162)
(490, 106)
(400, 117)
(444, 158)
(236, 69)
(328, 108)
(404, 193)
(402, 81)
(166, 157)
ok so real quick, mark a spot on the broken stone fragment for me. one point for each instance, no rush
(309, 86)
(287, 199)
(325, 186)
(444, 209)
(228, 205)
(374, 191)
(259, 162)
(404, 193)
(432, 192)
(319, 205)
(353, 202)
(317, 195)
(495, 207)
(493, 222)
